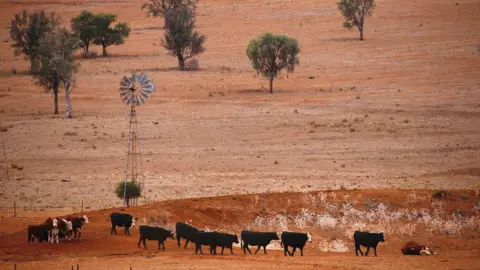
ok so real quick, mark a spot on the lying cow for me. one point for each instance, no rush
(367, 240)
(225, 240)
(185, 231)
(122, 220)
(259, 239)
(412, 248)
(39, 232)
(154, 233)
(294, 240)
(206, 239)
(77, 223)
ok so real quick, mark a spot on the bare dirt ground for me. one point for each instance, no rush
(398, 110)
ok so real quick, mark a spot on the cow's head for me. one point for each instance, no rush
(381, 237)
(85, 219)
(309, 236)
(274, 236)
(55, 223)
(68, 224)
(171, 235)
(133, 222)
(235, 238)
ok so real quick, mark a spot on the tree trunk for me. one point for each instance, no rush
(34, 65)
(271, 84)
(181, 63)
(55, 95)
(360, 28)
(68, 104)
(128, 202)
(104, 50)
(85, 50)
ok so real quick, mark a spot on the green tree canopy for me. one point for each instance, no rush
(83, 26)
(181, 39)
(163, 8)
(57, 64)
(106, 35)
(26, 30)
(132, 191)
(355, 13)
(270, 54)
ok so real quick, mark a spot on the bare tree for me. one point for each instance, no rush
(181, 39)
(355, 13)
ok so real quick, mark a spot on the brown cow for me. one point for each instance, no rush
(413, 248)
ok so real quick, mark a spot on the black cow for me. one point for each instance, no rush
(39, 232)
(122, 220)
(259, 239)
(206, 239)
(154, 233)
(185, 231)
(367, 240)
(295, 240)
(77, 223)
(225, 240)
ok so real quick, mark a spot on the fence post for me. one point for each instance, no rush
(72, 266)
(78, 266)
(15, 267)
(14, 208)
(82, 206)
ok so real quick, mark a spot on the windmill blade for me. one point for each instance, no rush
(141, 99)
(127, 99)
(124, 93)
(144, 95)
(125, 82)
(142, 77)
(134, 76)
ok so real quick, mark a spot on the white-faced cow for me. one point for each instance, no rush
(185, 231)
(412, 248)
(294, 240)
(154, 233)
(52, 227)
(122, 220)
(259, 239)
(367, 240)
(65, 229)
(77, 223)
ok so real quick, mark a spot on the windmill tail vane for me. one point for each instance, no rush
(134, 91)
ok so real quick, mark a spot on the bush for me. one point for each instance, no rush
(439, 194)
(132, 191)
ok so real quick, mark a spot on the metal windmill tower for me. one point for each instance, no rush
(134, 91)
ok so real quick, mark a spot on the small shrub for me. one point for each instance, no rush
(191, 64)
(70, 133)
(311, 77)
(439, 194)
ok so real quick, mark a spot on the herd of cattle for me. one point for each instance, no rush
(67, 228)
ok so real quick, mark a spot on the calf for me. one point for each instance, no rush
(259, 239)
(206, 239)
(295, 240)
(122, 220)
(154, 233)
(412, 248)
(186, 232)
(77, 223)
(39, 232)
(367, 240)
(225, 240)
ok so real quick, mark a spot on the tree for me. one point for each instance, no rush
(57, 65)
(26, 30)
(180, 38)
(355, 12)
(84, 28)
(107, 36)
(132, 191)
(270, 54)
(162, 8)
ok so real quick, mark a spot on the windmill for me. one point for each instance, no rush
(134, 91)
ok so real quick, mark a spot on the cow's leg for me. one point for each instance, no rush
(79, 230)
(375, 251)
(223, 249)
(163, 244)
(293, 252)
(231, 250)
(113, 230)
(258, 248)
(186, 243)
(301, 251)
(368, 249)
(264, 249)
(178, 240)
(139, 241)
(358, 249)
(248, 249)
(285, 250)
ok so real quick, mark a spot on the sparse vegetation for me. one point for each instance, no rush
(26, 31)
(83, 26)
(181, 39)
(355, 12)
(271, 54)
(163, 8)
(132, 191)
(105, 35)
(438, 194)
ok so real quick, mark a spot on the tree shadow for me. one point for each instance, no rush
(344, 39)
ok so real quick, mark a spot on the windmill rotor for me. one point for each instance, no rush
(136, 89)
